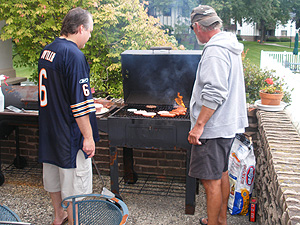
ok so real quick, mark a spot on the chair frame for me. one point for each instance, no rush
(16, 218)
(111, 200)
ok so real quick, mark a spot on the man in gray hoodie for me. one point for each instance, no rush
(217, 109)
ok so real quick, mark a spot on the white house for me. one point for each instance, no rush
(251, 32)
(247, 31)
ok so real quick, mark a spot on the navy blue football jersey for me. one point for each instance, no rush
(64, 94)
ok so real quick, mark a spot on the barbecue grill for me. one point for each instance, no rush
(152, 77)
(22, 97)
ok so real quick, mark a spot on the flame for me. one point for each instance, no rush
(179, 101)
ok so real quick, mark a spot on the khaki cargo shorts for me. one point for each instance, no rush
(75, 181)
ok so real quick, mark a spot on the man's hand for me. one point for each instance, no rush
(89, 147)
(195, 134)
(87, 133)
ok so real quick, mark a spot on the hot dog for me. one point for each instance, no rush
(168, 115)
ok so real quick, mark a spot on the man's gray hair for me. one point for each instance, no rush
(214, 26)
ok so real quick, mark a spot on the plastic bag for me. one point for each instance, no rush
(241, 169)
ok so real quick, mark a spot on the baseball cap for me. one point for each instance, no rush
(205, 15)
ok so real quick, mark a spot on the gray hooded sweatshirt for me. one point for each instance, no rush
(219, 85)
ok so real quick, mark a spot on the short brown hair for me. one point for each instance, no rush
(74, 19)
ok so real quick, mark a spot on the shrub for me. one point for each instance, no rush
(239, 37)
(273, 39)
(285, 39)
(255, 81)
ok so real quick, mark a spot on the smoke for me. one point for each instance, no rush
(155, 77)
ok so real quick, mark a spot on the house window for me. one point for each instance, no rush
(167, 12)
(284, 33)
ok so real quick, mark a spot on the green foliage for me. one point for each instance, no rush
(273, 39)
(118, 25)
(255, 81)
(168, 29)
(285, 39)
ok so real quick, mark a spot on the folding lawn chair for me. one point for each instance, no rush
(7, 216)
(97, 209)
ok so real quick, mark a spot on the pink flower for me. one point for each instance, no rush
(93, 90)
(269, 81)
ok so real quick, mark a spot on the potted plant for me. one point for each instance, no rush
(271, 93)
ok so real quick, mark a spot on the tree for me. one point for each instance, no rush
(228, 10)
(295, 8)
(118, 25)
(266, 14)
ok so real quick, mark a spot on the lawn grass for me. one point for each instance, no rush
(23, 72)
(254, 49)
(20, 71)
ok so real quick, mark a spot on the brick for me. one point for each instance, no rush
(178, 156)
(169, 163)
(142, 161)
(102, 144)
(154, 154)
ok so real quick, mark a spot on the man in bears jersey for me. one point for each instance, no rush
(67, 121)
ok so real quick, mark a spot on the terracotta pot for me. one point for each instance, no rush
(270, 99)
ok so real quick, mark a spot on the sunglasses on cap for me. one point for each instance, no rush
(192, 28)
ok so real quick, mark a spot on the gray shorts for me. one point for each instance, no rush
(69, 182)
(210, 160)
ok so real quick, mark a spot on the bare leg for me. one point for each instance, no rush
(217, 194)
(225, 186)
(70, 214)
(59, 213)
(213, 192)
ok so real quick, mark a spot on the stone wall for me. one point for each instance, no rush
(277, 179)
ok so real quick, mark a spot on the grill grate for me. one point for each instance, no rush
(123, 112)
(31, 168)
(149, 184)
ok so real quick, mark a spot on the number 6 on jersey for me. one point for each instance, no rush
(42, 88)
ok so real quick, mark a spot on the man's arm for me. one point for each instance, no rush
(87, 132)
(197, 130)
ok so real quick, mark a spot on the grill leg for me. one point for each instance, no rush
(20, 162)
(114, 170)
(130, 176)
(1, 174)
(190, 188)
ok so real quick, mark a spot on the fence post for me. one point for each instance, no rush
(262, 59)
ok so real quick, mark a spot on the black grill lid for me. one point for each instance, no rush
(156, 76)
